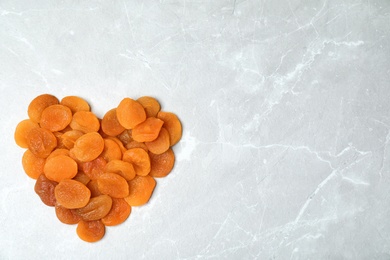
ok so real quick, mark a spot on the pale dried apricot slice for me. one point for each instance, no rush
(130, 113)
(55, 118)
(72, 194)
(91, 231)
(38, 104)
(140, 160)
(141, 189)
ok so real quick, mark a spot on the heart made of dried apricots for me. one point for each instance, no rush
(94, 170)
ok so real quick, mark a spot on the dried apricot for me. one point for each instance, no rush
(140, 160)
(93, 169)
(45, 190)
(130, 113)
(161, 144)
(41, 142)
(55, 117)
(111, 150)
(38, 104)
(97, 208)
(119, 212)
(148, 130)
(85, 122)
(88, 147)
(141, 189)
(150, 104)
(75, 104)
(124, 169)
(60, 167)
(91, 231)
(173, 125)
(72, 194)
(161, 164)
(66, 216)
(113, 184)
(32, 164)
(110, 124)
(22, 130)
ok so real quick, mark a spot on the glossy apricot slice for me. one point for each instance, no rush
(72, 194)
(140, 160)
(173, 125)
(130, 113)
(38, 104)
(90, 231)
(161, 164)
(141, 189)
(119, 212)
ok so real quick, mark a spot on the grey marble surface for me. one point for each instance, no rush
(286, 115)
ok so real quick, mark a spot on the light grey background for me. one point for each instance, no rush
(285, 109)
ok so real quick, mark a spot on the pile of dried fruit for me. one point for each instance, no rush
(94, 170)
